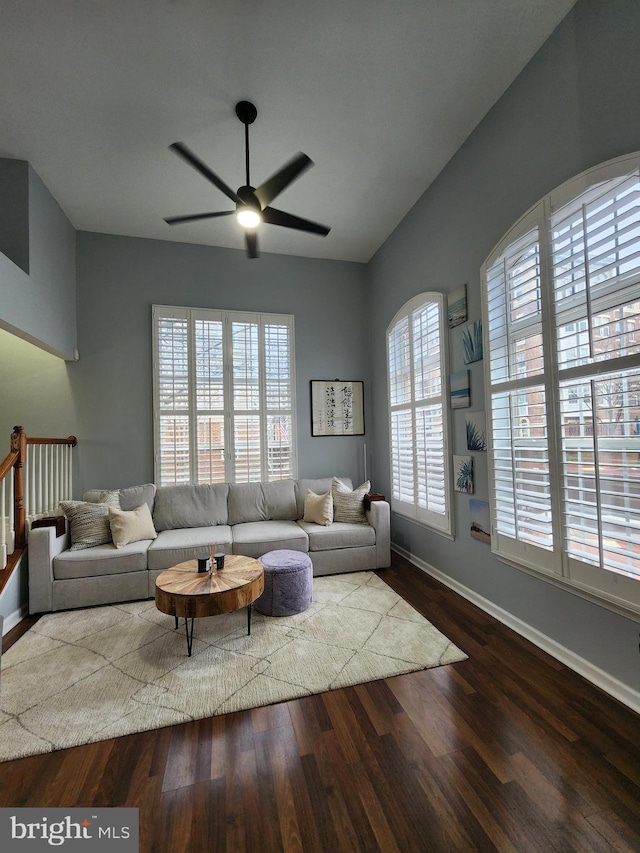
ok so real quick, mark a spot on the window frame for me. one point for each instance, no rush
(228, 412)
(437, 522)
(616, 590)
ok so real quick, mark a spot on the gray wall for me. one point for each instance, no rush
(120, 278)
(574, 105)
(14, 211)
(35, 391)
(38, 305)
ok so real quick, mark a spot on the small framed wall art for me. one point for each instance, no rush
(472, 342)
(457, 306)
(460, 390)
(337, 407)
(463, 474)
(480, 520)
(476, 430)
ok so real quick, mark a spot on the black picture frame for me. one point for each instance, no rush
(337, 407)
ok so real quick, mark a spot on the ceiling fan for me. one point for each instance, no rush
(252, 203)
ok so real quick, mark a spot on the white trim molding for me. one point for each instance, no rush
(14, 619)
(596, 676)
(10, 598)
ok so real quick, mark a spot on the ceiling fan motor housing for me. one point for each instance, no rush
(246, 112)
(248, 198)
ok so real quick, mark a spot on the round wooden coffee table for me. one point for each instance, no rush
(182, 591)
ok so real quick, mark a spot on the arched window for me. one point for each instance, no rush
(561, 301)
(524, 428)
(416, 359)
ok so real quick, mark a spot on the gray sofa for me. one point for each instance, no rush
(245, 518)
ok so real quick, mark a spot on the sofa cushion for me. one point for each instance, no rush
(175, 546)
(262, 502)
(255, 538)
(96, 496)
(340, 534)
(134, 496)
(318, 508)
(348, 504)
(178, 507)
(88, 521)
(131, 526)
(319, 486)
(101, 560)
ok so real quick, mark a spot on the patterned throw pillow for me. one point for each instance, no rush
(318, 508)
(89, 522)
(349, 505)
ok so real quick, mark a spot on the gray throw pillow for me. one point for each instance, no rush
(349, 505)
(89, 522)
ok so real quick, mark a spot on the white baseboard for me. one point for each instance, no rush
(618, 689)
(12, 619)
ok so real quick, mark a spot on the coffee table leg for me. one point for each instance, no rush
(189, 635)
(249, 619)
(176, 628)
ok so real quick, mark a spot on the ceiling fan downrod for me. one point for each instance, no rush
(247, 114)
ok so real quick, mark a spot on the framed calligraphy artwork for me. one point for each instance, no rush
(337, 407)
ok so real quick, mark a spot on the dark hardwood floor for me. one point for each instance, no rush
(508, 750)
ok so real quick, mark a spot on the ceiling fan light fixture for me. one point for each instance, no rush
(252, 203)
(248, 217)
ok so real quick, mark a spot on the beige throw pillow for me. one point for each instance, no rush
(318, 508)
(349, 505)
(131, 526)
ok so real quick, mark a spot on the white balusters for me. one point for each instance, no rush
(3, 524)
(50, 479)
(44, 479)
(7, 534)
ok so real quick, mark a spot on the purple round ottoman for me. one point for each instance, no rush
(288, 583)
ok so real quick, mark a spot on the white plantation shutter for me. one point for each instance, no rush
(417, 412)
(429, 450)
(278, 361)
(521, 487)
(247, 447)
(402, 458)
(245, 390)
(224, 396)
(172, 395)
(595, 251)
(209, 398)
(566, 474)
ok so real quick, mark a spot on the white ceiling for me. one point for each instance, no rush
(379, 93)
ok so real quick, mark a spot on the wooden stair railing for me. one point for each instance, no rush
(34, 477)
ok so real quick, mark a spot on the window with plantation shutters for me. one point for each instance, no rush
(418, 413)
(561, 299)
(224, 396)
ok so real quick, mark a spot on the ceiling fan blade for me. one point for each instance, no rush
(193, 217)
(187, 154)
(274, 185)
(251, 239)
(279, 217)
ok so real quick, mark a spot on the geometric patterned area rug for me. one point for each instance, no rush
(86, 675)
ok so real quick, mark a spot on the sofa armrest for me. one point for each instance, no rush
(43, 546)
(379, 517)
